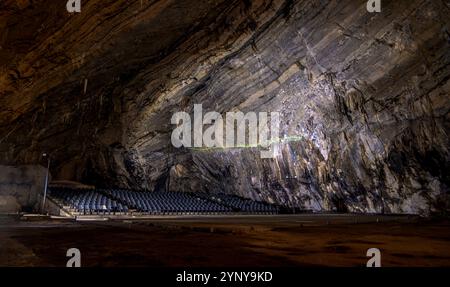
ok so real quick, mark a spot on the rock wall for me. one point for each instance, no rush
(20, 188)
(364, 98)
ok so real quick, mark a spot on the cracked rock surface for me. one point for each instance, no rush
(364, 98)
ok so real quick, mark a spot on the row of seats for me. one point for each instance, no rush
(242, 204)
(166, 202)
(86, 201)
(89, 201)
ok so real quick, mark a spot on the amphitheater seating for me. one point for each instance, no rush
(242, 204)
(86, 201)
(166, 202)
(101, 201)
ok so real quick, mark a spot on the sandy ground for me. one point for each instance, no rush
(235, 241)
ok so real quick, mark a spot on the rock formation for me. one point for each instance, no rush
(363, 97)
(21, 188)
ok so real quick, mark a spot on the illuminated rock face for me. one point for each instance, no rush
(364, 98)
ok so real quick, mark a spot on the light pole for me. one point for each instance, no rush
(46, 181)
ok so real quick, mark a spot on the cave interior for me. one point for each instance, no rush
(363, 98)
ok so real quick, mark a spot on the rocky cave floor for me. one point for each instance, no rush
(245, 241)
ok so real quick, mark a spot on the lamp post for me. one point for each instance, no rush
(46, 181)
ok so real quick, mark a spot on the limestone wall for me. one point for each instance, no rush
(20, 186)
